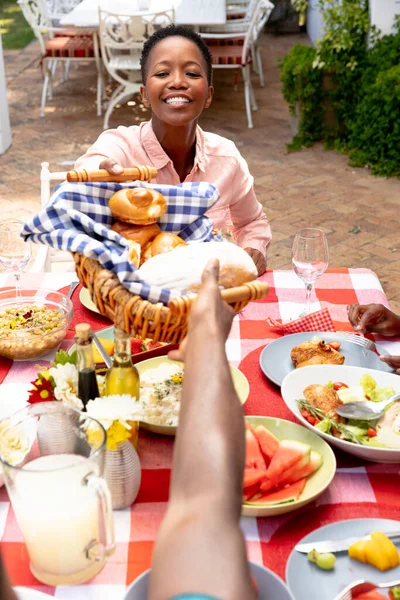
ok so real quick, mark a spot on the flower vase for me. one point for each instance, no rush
(56, 431)
(123, 474)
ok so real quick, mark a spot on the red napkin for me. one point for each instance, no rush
(317, 321)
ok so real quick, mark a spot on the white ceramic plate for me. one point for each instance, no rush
(275, 361)
(270, 586)
(307, 582)
(316, 483)
(239, 379)
(294, 384)
(86, 300)
(27, 594)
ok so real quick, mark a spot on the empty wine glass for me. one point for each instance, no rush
(310, 259)
(15, 253)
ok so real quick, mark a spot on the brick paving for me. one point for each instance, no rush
(308, 188)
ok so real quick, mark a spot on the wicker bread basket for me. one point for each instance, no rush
(142, 318)
(133, 314)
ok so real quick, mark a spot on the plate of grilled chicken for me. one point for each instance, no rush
(285, 354)
(315, 393)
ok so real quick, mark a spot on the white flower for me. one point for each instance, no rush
(108, 409)
(66, 382)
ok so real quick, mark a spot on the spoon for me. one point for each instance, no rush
(365, 411)
(72, 287)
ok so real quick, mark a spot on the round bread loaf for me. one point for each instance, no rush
(139, 206)
(137, 233)
(164, 242)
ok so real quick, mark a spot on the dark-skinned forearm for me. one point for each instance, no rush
(211, 427)
(6, 592)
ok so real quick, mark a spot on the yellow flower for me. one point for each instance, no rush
(117, 434)
(95, 437)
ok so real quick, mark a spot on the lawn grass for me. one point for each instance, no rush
(15, 31)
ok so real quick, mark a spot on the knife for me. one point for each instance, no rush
(107, 359)
(338, 545)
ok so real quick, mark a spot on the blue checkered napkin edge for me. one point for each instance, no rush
(77, 219)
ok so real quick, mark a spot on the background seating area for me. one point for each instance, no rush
(73, 30)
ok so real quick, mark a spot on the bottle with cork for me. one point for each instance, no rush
(87, 382)
(123, 377)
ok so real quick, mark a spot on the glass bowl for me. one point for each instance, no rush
(32, 322)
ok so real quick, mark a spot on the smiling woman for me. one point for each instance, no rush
(14, 29)
(177, 86)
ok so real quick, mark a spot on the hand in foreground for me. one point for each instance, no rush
(392, 361)
(111, 165)
(258, 259)
(209, 312)
(374, 318)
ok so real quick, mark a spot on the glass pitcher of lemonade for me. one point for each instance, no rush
(53, 458)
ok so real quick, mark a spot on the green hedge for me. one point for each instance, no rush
(348, 95)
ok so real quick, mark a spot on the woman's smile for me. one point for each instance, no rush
(177, 100)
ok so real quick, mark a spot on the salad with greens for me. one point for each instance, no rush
(319, 405)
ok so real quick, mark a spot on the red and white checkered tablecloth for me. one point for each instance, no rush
(359, 489)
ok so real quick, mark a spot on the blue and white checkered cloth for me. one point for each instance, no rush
(77, 219)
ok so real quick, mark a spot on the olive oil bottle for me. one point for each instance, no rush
(123, 377)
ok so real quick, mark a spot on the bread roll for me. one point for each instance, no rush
(137, 233)
(139, 206)
(134, 253)
(183, 268)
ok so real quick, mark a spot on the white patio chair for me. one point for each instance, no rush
(59, 8)
(48, 259)
(239, 53)
(56, 44)
(240, 26)
(121, 41)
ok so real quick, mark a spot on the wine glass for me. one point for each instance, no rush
(310, 259)
(15, 253)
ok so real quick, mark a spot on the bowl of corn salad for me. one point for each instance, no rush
(32, 322)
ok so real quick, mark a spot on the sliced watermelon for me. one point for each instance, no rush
(287, 476)
(252, 477)
(249, 426)
(313, 465)
(267, 441)
(250, 492)
(282, 496)
(266, 485)
(254, 457)
(288, 453)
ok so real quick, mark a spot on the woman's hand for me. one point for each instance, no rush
(111, 165)
(209, 315)
(392, 361)
(374, 318)
(258, 259)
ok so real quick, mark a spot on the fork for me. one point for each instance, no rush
(362, 587)
(357, 339)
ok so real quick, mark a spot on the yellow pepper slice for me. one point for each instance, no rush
(379, 552)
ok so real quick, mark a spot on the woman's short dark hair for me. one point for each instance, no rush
(170, 31)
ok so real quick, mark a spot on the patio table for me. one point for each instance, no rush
(187, 12)
(359, 489)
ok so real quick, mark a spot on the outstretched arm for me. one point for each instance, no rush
(6, 592)
(200, 547)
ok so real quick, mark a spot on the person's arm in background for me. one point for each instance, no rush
(376, 318)
(6, 592)
(200, 547)
(251, 229)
